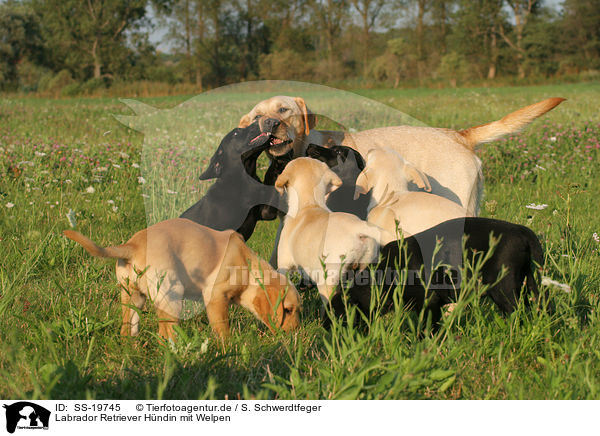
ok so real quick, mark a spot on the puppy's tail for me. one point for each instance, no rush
(511, 123)
(124, 251)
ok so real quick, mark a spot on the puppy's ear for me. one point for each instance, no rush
(417, 177)
(310, 119)
(362, 185)
(282, 183)
(269, 306)
(334, 182)
(245, 121)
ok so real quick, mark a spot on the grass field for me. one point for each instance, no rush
(59, 307)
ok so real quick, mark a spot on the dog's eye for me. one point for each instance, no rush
(256, 117)
(283, 110)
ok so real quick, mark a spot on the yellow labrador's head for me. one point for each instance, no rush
(311, 180)
(277, 303)
(296, 122)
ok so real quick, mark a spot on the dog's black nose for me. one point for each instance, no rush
(270, 124)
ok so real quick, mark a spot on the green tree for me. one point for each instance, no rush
(522, 11)
(580, 29)
(331, 16)
(19, 37)
(475, 34)
(88, 37)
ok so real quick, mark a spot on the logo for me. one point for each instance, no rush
(26, 415)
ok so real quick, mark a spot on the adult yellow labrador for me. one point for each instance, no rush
(177, 259)
(446, 156)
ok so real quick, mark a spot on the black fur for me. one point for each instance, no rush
(236, 199)
(518, 249)
(347, 164)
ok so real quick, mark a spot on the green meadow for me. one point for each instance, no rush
(60, 308)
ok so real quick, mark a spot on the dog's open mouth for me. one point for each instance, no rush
(264, 135)
(279, 146)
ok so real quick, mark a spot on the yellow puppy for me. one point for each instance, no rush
(387, 176)
(320, 243)
(177, 259)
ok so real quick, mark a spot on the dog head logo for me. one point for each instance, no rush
(26, 415)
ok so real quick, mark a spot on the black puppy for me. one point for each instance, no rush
(236, 199)
(404, 268)
(347, 164)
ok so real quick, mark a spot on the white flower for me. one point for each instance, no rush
(536, 206)
(135, 165)
(40, 153)
(539, 167)
(68, 181)
(101, 169)
(141, 180)
(115, 209)
(123, 155)
(111, 201)
(71, 218)
(116, 166)
(596, 237)
(171, 192)
(9, 205)
(145, 196)
(90, 190)
(553, 139)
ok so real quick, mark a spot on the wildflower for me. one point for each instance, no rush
(123, 155)
(596, 237)
(107, 132)
(10, 205)
(111, 201)
(40, 153)
(171, 192)
(90, 190)
(115, 209)
(536, 206)
(135, 165)
(539, 167)
(71, 218)
(553, 139)
(141, 180)
(145, 196)
(116, 166)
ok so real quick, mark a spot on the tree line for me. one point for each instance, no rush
(80, 45)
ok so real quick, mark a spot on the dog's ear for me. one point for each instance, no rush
(333, 183)
(417, 177)
(269, 306)
(362, 185)
(282, 183)
(310, 119)
(245, 121)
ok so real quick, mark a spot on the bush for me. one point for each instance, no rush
(94, 85)
(285, 65)
(71, 90)
(55, 83)
(454, 68)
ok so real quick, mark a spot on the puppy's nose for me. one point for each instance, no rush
(270, 124)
